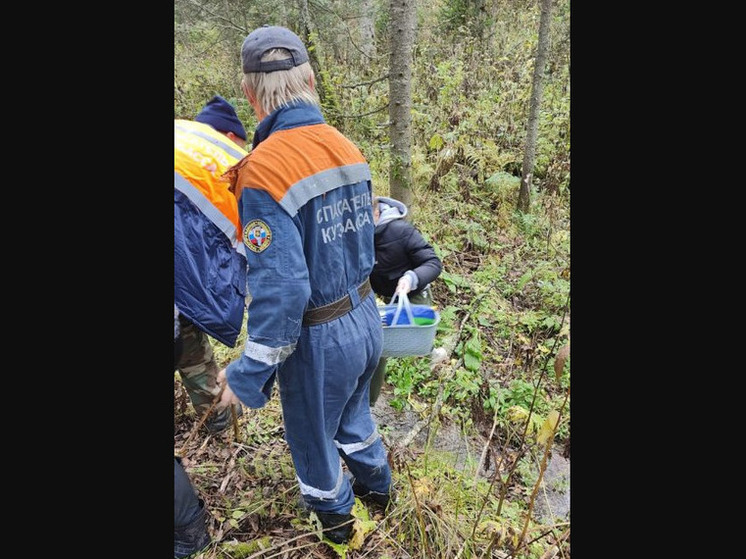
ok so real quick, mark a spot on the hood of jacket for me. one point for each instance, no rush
(393, 209)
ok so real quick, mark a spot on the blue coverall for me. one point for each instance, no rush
(304, 197)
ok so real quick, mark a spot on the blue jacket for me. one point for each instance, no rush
(209, 259)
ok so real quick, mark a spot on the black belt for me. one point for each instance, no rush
(340, 307)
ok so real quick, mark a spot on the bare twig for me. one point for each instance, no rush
(483, 456)
(203, 6)
(371, 82)
(324, 7)
(259, 507)
(522, 450)
(542, 469)
(231, 471)
(226, 479)
(378, 110)
(418, 510)
(536, 539)
(199, 424)
(552, 551)
(413, 432)
(498, 465)
(235, 422)
(280, 546)
(410, 436)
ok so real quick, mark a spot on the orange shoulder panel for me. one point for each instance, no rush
(288, 156)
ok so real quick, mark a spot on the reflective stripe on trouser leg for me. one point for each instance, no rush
(360, 447)
(324, 392)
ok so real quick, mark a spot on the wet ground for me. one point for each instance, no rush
(396, 426)
(553, 500)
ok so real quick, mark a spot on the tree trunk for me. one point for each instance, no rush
(305, 34)
(529, 155)
(367, 31)
(337, 30)
(281, 12)
(401, 40)
(327, 97)
(481, 20)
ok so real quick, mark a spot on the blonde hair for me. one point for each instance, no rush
(273, 90)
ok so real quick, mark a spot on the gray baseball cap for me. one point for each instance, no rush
(267, 38)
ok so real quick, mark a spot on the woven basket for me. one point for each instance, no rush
(402, 335)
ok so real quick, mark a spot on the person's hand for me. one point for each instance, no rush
(228, 397)
(404, 285)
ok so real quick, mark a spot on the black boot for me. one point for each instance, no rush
(218, 422)
(340, 534)
(365, 494)
(192, 537)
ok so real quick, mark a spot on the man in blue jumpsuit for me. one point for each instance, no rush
(304, 199)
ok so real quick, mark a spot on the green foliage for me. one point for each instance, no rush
(521, 393)
(460, 390)
(472, 351)
(467, 17)
(410, 376)
(505, 286)
(527, 222)
(529, 473)
(454, 14)
(241, 550)
(436, 142)
(453, 281)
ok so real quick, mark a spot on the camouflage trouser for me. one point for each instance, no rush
(197, 367)
(422, 298)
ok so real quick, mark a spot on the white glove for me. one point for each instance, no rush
(404, 285)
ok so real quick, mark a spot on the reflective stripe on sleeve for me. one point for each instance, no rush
(268, 355)
(206, 207)
(228, 146)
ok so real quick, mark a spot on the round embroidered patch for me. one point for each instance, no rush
(257, 235)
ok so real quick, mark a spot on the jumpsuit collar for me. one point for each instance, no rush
(295, 114)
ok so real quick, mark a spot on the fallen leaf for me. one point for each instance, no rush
(559, 361)
(548, 427)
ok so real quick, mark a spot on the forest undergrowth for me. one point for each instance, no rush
(505, 317)
(504, 298)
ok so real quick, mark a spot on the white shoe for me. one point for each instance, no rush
(438, 354)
